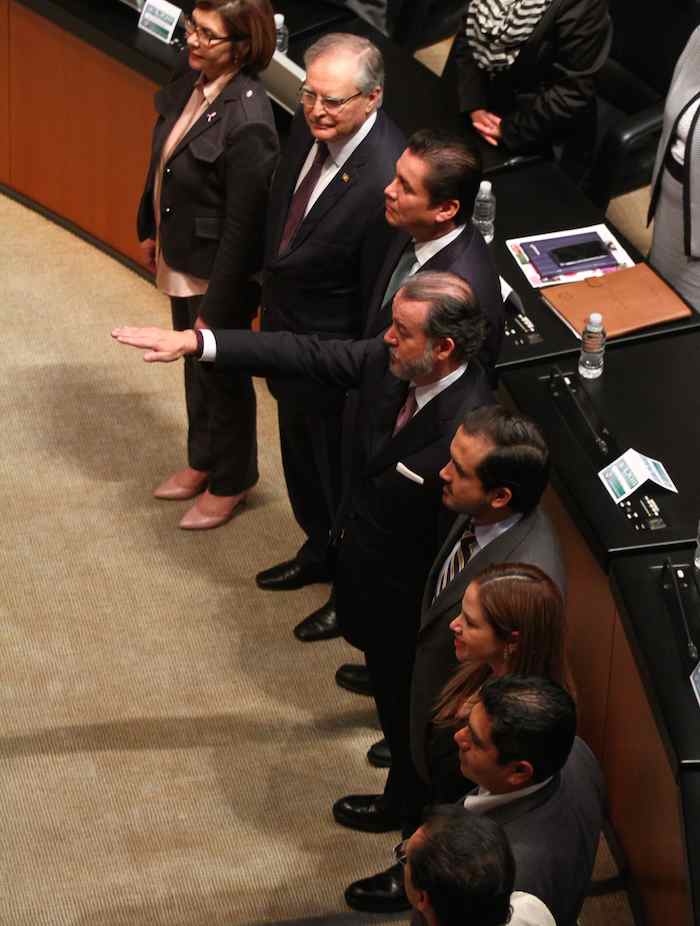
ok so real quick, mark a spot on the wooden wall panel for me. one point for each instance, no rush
(80, 129)
(590, 612)
(643, 794)
(4, 93)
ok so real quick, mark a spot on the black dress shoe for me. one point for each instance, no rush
(289, 575)
(355, 678)
(379, 754)
(365, 812)
(382, 893)
(321, 625)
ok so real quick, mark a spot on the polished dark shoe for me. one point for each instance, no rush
(382, 893)
(354, 677)
(379, 754)
(321, 625)
(289, 575)
(365, 812)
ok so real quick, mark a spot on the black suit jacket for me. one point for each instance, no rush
(531, 540)
(391, 523)
(467, 256)
(314, 287)
(214, 192)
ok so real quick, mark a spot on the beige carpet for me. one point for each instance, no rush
(168, 752)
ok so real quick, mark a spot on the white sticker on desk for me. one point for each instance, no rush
(159, 18)
(628, 472)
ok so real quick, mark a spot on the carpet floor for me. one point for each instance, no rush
(169, 753)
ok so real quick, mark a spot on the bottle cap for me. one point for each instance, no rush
(595, 321)
(485, 188)
(279, 20)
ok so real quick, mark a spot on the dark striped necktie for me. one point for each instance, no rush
(457, 559)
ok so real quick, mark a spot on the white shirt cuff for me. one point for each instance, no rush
(208, 345)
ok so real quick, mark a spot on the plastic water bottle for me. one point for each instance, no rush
(590, 361)
(282, 33)
(485, 211)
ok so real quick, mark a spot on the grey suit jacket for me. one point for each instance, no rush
(554, 834)
(531, 540)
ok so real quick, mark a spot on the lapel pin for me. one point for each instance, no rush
(345, 178)
(211, 116)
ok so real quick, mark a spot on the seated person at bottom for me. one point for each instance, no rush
(459, 870)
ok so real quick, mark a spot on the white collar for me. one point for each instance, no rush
(425, 393)
(481, 800)
(340, 151)
(427, 249)
(486, 533)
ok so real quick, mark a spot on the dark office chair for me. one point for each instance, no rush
(631, 90)
(416, 24)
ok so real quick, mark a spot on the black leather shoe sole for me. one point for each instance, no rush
(321, 625)
(355, 678)
(379, 754)
(382, 893)
(288, 576)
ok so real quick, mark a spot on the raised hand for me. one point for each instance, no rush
(162, 345)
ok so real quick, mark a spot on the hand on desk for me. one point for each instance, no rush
(149, 253)
(487, 124)
(163, 346)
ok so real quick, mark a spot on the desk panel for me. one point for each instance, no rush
(4, 92)
(80, 126)
(643, 794)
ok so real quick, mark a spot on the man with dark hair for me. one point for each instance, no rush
(494, 480)
(459, 869)
(540, 782)
(533, 724)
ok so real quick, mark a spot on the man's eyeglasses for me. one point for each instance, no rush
(331, 104)
(400, 853)
(206, 37)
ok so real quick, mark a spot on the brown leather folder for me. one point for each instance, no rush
(628, 299)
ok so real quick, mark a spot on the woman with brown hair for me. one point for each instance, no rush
(201, 223)
(512, 623)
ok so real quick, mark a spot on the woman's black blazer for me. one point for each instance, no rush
(214, 192)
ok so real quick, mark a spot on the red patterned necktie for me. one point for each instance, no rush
(407, 411)
(302, 195)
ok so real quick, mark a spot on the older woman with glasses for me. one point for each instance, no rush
(201, 226)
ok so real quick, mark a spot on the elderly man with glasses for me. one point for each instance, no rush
(326, 197)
